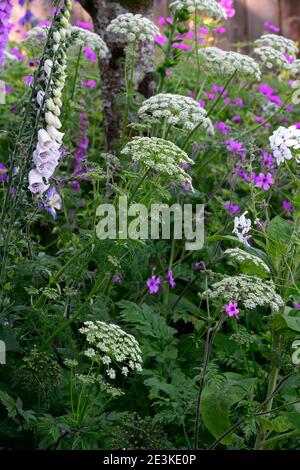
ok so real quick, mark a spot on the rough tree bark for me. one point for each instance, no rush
(112, 68)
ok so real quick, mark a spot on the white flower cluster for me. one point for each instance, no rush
(210, 7)
(241, 256)
(134, 27)
(271, 57)
(280, 43)
(242, 227)
(282, 141)
(110, 344)
(177, 110)
(227, 62)
(91, 379)
(49, 139)
(162, 156)
(91, 40)
(83, 37)
(250, 291)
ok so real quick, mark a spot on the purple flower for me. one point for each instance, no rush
(153, 284)
(5, 13)
(199, 265)
(264, 181)
(232, 309)
(26, 18)
(117, 279)
(236, 118)
(89, 84)
(53, 202)
(271, 27)
(222, 127)
(231, 207)
(161, 40)
(268, 160)
(3, 173)
(171, 279)
(261, 120)
(238, 102)
(297, 306)
(28, 80)
(89, 54)
(84, 25)
(228, 7)
(236, 147)
(287, 206)
(220, 30)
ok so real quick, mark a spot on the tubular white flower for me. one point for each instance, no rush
(226, 63)
(46, 169)
(52, 120)
(179, 111)
(55, 134)
(41, 156)
(40, 97)
(56, 36)
(48, 67)
(36, 182)
(210, 7)
(134, 27)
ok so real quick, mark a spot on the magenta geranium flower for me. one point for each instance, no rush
(171, 279)
(287, 206)
(232, 309)
(153, 284)
(264, 181)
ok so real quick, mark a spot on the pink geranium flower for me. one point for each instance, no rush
(264, 181)
(232, 309)
(153, 284)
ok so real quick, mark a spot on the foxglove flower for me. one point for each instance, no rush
(5, 13)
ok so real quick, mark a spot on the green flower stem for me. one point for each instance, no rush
(76, 73)
(129, 88)
(100, 280)
(191, 134)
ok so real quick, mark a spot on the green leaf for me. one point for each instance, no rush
(282, 321)
(216, 403)
(279, 237)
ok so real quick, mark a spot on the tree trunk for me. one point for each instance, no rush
(112, 68)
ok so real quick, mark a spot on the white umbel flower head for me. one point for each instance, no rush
(210, 7)
(243, 256)
(134, 27)
(271, 58)
(242, 227)
(91, 40)
(280, 43)
(282, 141)
(161, 156)
(249, 291)
(179, 111)
(226, 63)
(110, 344)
